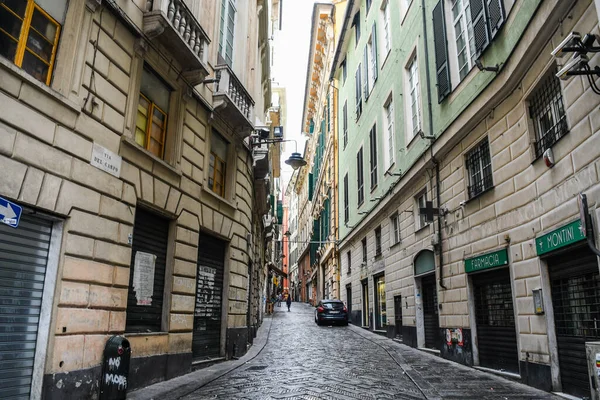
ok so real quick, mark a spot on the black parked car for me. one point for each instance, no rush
(331, 311)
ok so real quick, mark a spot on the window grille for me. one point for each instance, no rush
(479, 166)
(548, 113)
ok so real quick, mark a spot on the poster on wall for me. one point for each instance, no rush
(143, 277)
(206, 301)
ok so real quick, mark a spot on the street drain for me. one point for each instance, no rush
(256, 368)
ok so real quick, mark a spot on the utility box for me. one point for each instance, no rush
(115, 369)
(592, 350)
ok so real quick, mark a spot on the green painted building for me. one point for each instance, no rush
(459, 150)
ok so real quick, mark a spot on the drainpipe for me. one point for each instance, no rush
(436, 163)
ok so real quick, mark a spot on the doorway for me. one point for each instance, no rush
(380, 304)
(206, 339)
(349, 300)
(575, 286)
(365, 303)
(398, 317)
(495, 320)
(430, 311)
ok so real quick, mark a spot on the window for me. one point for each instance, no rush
(414, 108)
(358, 95)
(387, 35)
(217, 163)
(151, 121)
(226, 31)
(463, 36)
(29, 35)
(349, 261)
(395, 228)
(360, 179)
(345, 122)
(378, 241)
(475, 24)
(373, 152)
(344, 72)
(479, 167)
(356, 24)
(364, 250)
(368, 5)
(371, 62)
(388, 112)
(547, 113)
(421, 201)
(346, 207)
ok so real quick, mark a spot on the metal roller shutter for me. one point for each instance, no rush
(576, 300)
(206, 342)
(495, 319)
(23, 260)
(430, 312)
(150, 235)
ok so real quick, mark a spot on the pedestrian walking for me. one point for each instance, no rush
(288, 302)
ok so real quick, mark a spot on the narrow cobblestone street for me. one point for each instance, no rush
(304, 361)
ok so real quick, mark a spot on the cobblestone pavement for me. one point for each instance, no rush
(304, 361)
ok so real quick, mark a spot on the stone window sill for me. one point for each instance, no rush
(34, 82)
(127, 140)
(227, 202)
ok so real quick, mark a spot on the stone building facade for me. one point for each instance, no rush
(125, 141)
(499, 276)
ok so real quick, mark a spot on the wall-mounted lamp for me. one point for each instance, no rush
(295, 161)
(480, 67)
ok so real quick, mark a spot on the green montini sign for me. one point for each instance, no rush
(558, 238)
(489, 260)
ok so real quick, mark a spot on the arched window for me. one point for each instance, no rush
(424, 262)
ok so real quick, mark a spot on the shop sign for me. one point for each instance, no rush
(561, 237)
(489, 260)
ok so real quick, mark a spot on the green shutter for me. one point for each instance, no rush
(441, 51)
(310, 187)
(280, 211)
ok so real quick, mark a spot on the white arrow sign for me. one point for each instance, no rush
(10, 213)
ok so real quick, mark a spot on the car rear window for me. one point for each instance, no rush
(335, 305)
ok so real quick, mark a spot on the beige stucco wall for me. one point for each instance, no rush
(45, 147)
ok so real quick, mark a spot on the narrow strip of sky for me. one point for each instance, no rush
(289, 69)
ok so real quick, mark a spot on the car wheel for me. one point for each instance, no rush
(345, 323)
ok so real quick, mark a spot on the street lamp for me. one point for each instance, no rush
(295, 161)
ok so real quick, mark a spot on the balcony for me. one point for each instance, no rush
(233, 101)
(172, 24)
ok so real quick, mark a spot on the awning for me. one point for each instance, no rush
(279, 272)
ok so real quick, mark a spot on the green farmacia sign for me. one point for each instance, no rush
(558, 238)
(489, 260)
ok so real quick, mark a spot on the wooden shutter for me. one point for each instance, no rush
(366, 77)
(496, 16)
(441, 51)
(374, 55)
(480, 25)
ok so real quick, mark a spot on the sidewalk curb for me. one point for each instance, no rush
(183, 385)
